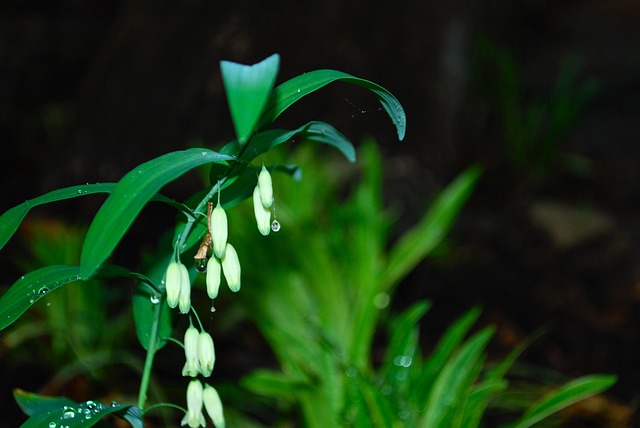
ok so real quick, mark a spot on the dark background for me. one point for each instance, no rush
(88, 90)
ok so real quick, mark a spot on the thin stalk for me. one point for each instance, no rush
(151, 351)
(198, 209)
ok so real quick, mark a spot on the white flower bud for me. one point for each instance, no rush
(231, 268)
(194, 417)
(266, 187)
(263, 215)
(184, 301)
(219, 230)
(206, 353)
(213, 405)
(173, 277)
(191, 342)
(214, 271)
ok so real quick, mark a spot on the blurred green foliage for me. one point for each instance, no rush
(321, 289)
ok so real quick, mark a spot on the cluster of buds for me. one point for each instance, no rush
(200, 358)
(178, 287)
(216, 257)
(197, 397)
(199, 353)
(262, 203)
(224, 259)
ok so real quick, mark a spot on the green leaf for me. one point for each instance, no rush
(403, 341)
(418, 242)
(128, 198)
(11, 219)
(270, 383)
(284, 95)
(47, 411)
(32, 287)
(248, 88)
(32, 404)
(454, 383)
(315, 131)
(447, 345)
(571, 392)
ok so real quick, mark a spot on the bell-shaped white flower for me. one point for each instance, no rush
(173, 278)
(184, 301)
(213, 405)
(231, 268)
(206, 353)
(194, 417)
(191, 352)
(263, 215)
(266, 187)
(214, 272)
(219, 230)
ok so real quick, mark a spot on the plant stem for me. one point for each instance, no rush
(151, 351)
(198, 209)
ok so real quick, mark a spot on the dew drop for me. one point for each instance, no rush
(201, 265)
(90, 404)
(154, 299)
(31, 300)
(113, 404)
(52, 425)
(69, 414)
(213, 308)
(43, 291)
(275, 226)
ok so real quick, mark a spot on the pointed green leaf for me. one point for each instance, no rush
(417, 243)
(284, 95)
(31, 403)
(62, 412)
(248, 88)
(270, 383)
(571, 392)
(11, 219)
(128, 198)
(453, 384)
(447, 345)
(319, 132)
(31, 288)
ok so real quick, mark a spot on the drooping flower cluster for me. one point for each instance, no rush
(263, 201)
(178, 287)
(216, 257)
(200, 358)
(224, 258)
(197, 396)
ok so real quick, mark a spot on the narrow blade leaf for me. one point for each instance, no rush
(62, 412)
(248, 88)
(128, 198)
(417, 243)
(569, 393)
(32, 287)
(284, 95)
(11, 219)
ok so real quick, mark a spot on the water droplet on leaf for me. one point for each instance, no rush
(154, 299)
(43, 291)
